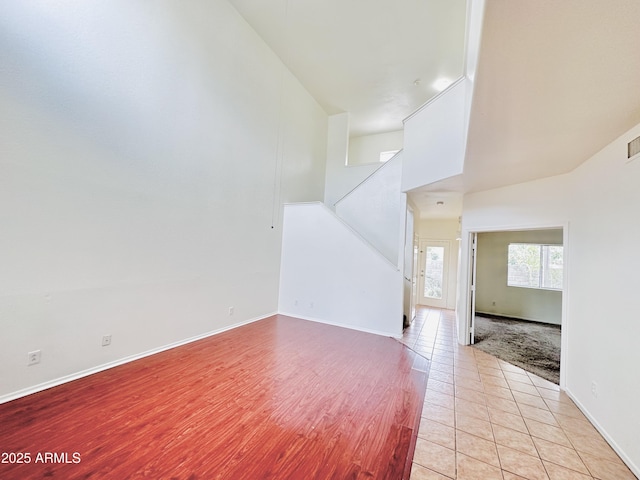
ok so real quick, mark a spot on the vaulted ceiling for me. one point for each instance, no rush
(556, 81)
(376, 60)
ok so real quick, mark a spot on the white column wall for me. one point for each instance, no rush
(143, 163)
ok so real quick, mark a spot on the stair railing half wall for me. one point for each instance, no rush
(376, 208)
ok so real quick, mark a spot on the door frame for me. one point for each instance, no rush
(471, 312)
(409, 265)
(468, 270)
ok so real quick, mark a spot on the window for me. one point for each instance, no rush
(434, 272)
(532, 265)
(386, 156)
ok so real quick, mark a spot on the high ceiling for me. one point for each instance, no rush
(556, 80)
(364, 57)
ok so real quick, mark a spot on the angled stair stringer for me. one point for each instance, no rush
(376, 209)
(330, 274)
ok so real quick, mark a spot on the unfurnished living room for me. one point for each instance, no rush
(249, 240)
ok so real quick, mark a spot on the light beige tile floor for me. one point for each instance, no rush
(486, 419)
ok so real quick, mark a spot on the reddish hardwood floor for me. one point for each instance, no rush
(280, 398)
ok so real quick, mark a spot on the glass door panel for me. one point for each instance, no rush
(434, 272)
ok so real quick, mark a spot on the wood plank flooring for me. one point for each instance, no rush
(281, 398)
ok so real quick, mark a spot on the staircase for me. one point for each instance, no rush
(347, 268)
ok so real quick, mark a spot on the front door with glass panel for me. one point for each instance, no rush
(434, 264)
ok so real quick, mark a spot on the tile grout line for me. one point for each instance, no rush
(451, 351)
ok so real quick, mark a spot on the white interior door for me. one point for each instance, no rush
(434, 270)
(472, 290)
(409, 301)
(414, 277)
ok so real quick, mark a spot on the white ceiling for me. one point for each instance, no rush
(363, 56)
(556, 80)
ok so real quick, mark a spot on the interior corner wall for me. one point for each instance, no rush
(494, 296)
(598, 203)
(143, 166)
(445, 229)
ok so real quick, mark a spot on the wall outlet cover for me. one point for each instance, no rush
(33, 357)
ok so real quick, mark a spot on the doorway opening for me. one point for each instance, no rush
(516, 297)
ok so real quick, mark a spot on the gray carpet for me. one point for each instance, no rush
(533, 346)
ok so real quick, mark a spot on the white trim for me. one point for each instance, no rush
(336, 324)
(106, 366)
(629, 463)
(516, 228)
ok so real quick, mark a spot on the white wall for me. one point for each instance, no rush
(376, 209)
(441, 228)
(492, 293)
(598, 202)
(435, 139)
(331, 275)
(146, 150)
(340, 178)
(603, 295)
(444, 229)
(367, 148)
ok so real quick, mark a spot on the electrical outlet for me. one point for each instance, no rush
(106, 340)
(230, 310)
(594, 389)
(33, 357)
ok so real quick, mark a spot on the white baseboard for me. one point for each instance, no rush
(105, 366)
(342, 325)
(517, 317)
(632, 466)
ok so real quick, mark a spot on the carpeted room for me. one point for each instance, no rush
(519, 314)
